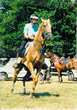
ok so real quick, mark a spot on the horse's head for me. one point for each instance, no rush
(49, 55)
(46, 29)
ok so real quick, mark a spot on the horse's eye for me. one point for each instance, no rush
(44, 25)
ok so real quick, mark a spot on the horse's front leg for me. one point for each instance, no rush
(59, 75)
(30, 67)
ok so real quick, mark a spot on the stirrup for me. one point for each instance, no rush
(16, 65)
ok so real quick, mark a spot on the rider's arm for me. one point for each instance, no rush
(27, 37)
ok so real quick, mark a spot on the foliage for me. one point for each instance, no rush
(15, 14)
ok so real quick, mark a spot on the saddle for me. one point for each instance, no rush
(64, 60)
(27, 47)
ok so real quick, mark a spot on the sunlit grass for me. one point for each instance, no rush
(48, 96)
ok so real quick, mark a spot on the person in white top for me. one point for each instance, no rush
(30, 30)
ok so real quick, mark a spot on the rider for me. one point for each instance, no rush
(30, 30)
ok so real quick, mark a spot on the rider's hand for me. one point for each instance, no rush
(27, 37)
(33, 35)
(32, 38)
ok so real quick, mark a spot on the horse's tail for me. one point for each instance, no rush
(17, 56)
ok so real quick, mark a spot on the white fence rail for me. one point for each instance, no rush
(52, 71)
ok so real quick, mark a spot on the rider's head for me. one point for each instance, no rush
(33, 19)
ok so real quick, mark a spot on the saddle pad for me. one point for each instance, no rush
(27, 49)
(66, 61)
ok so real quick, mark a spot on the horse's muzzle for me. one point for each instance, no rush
(49, 36)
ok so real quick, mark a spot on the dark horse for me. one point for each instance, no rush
(35, 56)
(62, 64)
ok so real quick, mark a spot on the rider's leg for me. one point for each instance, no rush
(20, 54)
(21, 48)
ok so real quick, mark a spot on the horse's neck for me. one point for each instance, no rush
(39, 34)
(55, 58)
(39, 38)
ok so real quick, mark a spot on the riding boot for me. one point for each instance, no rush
(16, 65)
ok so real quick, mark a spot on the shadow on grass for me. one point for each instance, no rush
(37, 95)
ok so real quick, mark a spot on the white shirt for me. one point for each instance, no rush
(30, 29)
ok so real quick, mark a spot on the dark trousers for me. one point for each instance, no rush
(22, 49)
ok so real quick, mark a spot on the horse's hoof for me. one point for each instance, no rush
(59, 82)
(31, 95)
(11, 93)
(42, 82)
(48, 82)
(24, 92)
(12, 90)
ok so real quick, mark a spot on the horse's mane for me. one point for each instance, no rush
(40, 28)
(39, 31)
(54, 54)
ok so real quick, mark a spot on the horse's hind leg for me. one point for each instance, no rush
(15, 78)
(61, 77)
(16, 71)
(24, 89)
(43, 76)
(47, 77)
(38, 73)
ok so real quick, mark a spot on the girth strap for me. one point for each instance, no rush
(41, 50)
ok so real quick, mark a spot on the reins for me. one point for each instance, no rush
(42, 49)
(36, 46)
(43, 45)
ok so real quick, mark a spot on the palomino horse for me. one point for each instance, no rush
(35, 56)
(62, 64)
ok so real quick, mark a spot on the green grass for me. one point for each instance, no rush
(48, 96)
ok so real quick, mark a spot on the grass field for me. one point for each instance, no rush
(47, 96)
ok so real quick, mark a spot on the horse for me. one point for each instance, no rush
(35, 56)
(62, 64)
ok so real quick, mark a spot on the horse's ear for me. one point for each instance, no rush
(42, 20)
(49, 20)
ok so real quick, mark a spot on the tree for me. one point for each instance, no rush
(15, 14)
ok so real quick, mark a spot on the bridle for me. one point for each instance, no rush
(45, 35)
(43, 45)
(52, 59)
